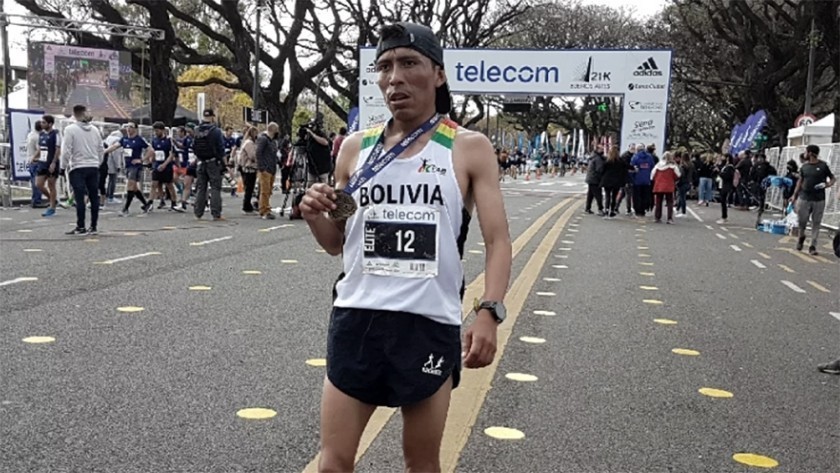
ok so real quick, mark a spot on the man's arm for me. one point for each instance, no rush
(66, 147)
(319, 199)
(478, 154)
(323, 141)
(797, 189)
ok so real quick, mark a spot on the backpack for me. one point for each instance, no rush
(202, 146)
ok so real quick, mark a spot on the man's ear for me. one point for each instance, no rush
(441, 76)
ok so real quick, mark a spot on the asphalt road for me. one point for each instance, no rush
(159, 389)
(98, 100)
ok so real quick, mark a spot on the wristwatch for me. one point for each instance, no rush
(496, 309)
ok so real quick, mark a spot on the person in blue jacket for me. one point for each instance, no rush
(642, 163)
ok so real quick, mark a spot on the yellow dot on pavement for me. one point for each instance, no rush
(652, 301)
(665, 321)
(130, 308)
(534, 340)
(289, 261)
(686, 352)
(39, 339)
(504, 433)
(643, 273)
(32, 250)
(552, 279)
(256, 413)
(200, 288)
(544, 312)
(251, 271)
(751, 459)
(476, 252)
(711, 392)
(526, 378)
(649, 288)
(546, 294)
(316, 362)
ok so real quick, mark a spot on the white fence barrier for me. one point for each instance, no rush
(830, 153)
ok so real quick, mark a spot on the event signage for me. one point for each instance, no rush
(743, 134)
(641, 77)
(22, 122)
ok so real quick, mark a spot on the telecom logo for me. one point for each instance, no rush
(483, 72)
(648, 69)
(587, 78)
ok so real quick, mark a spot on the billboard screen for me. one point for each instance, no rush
(61, 76)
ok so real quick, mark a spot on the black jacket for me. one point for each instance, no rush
(596, 169)
(266, 154)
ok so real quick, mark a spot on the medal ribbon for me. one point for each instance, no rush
(376, 161)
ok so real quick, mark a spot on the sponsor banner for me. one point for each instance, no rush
(22, 122)
(743, 134)
(353, 120)
(642, 77)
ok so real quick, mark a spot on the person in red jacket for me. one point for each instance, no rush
(664, 177)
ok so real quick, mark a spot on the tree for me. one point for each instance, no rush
(458, 23)
(227, 103)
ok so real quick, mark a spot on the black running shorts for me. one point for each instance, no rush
(391, 358)
(164, 177)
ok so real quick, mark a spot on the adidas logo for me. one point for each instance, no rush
(648, 69)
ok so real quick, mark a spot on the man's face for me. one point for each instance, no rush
(228, 132)
(132, 132)
(159, 132)
(407, 80)
(47, 126)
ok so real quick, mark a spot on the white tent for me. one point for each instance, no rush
(816, 133)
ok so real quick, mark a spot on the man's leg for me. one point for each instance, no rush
(817, 209)
(40, 183)
(77, 182)
(265, 192)
(201, 189)
(91, 181)
(599, 198)
(343, 419)
(423, 425)
(215, 169)
(803, 211)
(669, 201)
(590, 194)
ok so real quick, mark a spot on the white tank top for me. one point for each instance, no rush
(403, 246)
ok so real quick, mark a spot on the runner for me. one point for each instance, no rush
(48, 170)
(162, 158)
(811, 188)
(132, 145)
(394, 337)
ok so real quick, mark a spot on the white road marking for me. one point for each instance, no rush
(207, 242)
(836, 315)
(733, 236)
(17, 280)
(758, 264)
(735, 247)
(693, 214)
(720, 236)
(710, 227)
(265, 230)
(127, 258)
(793, 287)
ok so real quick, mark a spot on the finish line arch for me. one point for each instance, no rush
(641, 77)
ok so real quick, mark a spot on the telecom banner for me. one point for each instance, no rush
(641, 77)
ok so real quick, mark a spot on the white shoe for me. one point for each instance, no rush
(721, 222)
(680, 215)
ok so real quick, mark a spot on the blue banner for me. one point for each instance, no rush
(353, 120)
(743, 134)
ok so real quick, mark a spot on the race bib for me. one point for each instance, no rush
(160, 156)
(191, 157)
(401, 241)
(44, 153)
(127, 153)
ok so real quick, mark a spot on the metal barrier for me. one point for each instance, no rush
(830, 153)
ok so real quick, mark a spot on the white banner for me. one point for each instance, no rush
(23, 121)
(641, 77)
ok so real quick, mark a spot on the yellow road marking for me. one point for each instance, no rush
(712, 392)
(316, 362)
(468, 399)
(747, 244)
(643, 273)
(764, 255)
(534, 340)
(644, 255)
(799, 255)
(645, 263)
(200, 288)
(786, 268)
(824, 260)
(685, 351)
(38, 340)
(523, 377)
(642, 248)
(818, 286)
(665, 321)
(751, 459)
(130, 309)
(652, 301)
(649, 288)
(252, 272)
(256, 413)
(32, 250)
(381, 415)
